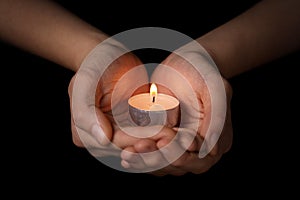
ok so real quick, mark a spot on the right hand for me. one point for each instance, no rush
(92, 123)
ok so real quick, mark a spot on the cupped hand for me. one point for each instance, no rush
(96, 101)
(205, 115)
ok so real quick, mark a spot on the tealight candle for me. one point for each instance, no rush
(154, 108)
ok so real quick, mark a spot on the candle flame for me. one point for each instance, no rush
(153, 90)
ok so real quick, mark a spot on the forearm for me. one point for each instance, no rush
(263, 33)
(47, 30)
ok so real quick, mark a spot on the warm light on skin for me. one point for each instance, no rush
(153, 92)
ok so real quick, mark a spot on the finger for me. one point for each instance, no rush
(219, 133)
(75, 137)
(187, 161)
(164, 132)
(215, 113)
(122, 139)
(129, 136)
(171, 150)
(168, 169)
(150, 154)
(84, 113)
(145, 146)
(131, 159)
(103, 152)
(189, 139)
(94, 121)
(94, 148)
(148, 147)
(85, 140)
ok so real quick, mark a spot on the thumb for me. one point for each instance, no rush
(87, 118)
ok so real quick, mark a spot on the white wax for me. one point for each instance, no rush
(144, 102)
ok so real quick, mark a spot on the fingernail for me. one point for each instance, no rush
(98, 133)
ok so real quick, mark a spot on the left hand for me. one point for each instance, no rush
(180, 77)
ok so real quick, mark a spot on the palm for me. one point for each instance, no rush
(106, 103)
(196, 108)
(178, 77)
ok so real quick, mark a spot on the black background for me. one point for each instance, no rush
(38, 153)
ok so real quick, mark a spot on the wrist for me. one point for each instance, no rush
(213, 52)
(88, 42)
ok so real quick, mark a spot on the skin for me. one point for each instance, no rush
(74, 39)
(189, 161)
(22, 23)
(265, 32)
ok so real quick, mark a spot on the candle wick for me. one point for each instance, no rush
(153, 99)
